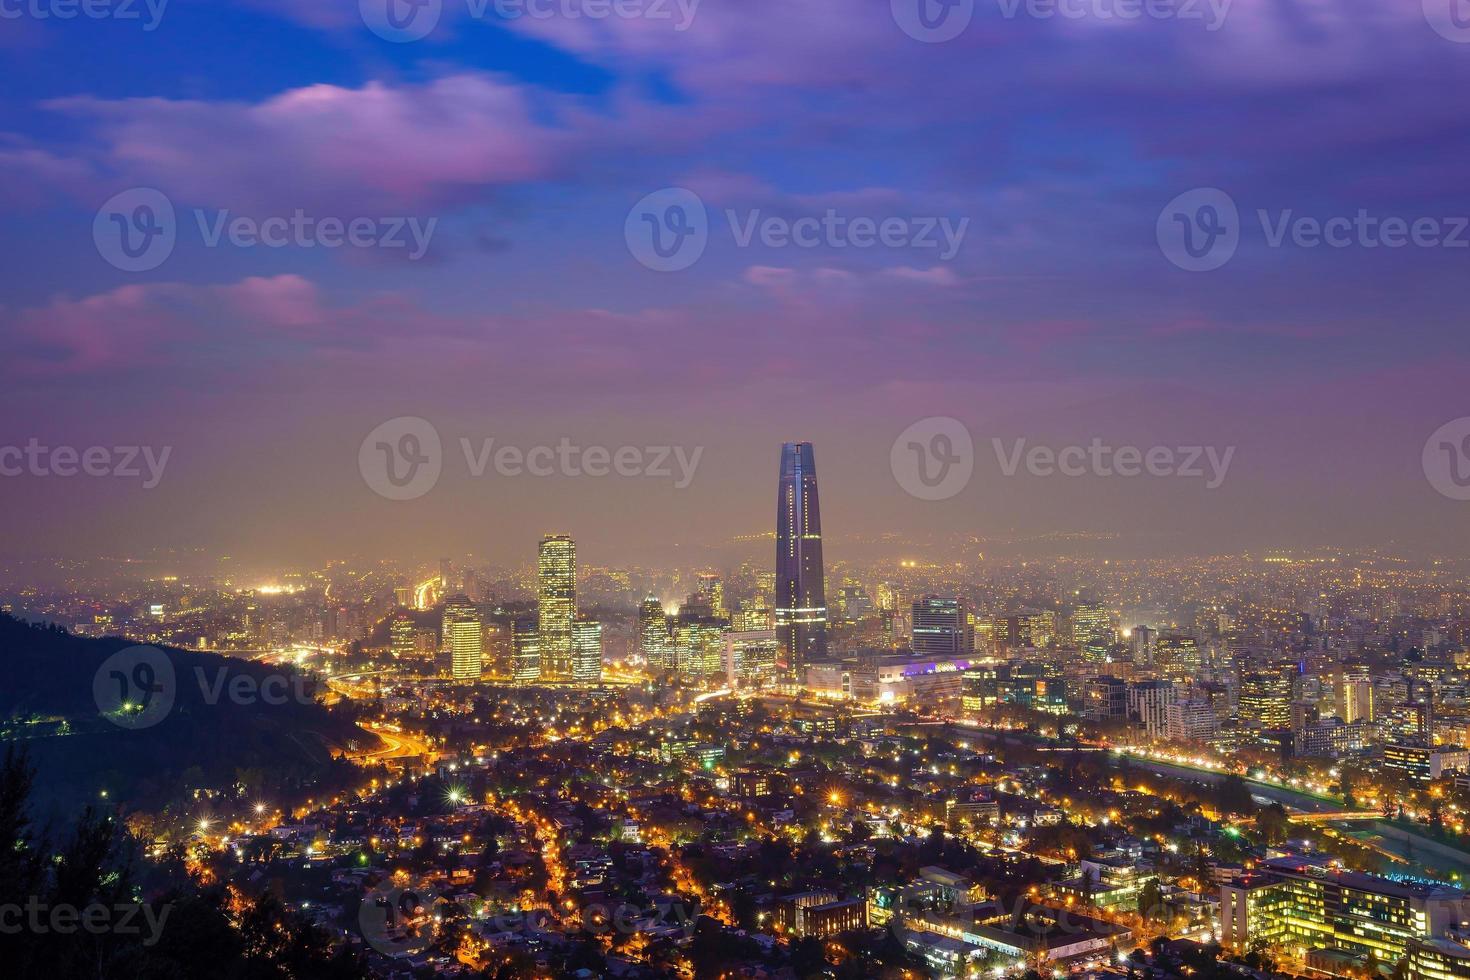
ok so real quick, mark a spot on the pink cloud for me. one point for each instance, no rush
(143, 325)
(451, 139)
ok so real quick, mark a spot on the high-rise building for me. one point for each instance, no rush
(653, 634)
(1107, 699)
(1178, 656)
(1143, 645)
(754, 615)
(940, 627)
(455, 606)
(699, 646)
(557, 604)
(853, 601)
(750, 657)
(464, 636)
(712, 588)
(1192, 720)
(1265, 700)
(801, 594)
(586, 650)
(401, 633)
(1353, 694)
(1092, 631)
(1149, 701)
(1031, 628)
(525, 640)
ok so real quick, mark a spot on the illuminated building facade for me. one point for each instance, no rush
(754, 614)
(1149, 701)
(1296, 903)
(654, 643)
(1438, 959)
(750, 657)
(1092, 631)
(940, 627)
(556, 597)
(402, 639)
(1353, 692)
(465, 638)
(1422, 762)
(801, 595)
(698, 647)
(820, 914)
(1031, 628)
(712, 590)
(526, 651)
(1107, 699)
(1265, 700)
(1178, 656)
(586, 651)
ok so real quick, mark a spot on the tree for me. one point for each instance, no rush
(1151, 901)
(807, 957)
(1233, 796)
(1273, 823)
(184, 931)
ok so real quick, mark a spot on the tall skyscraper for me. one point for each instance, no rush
(940, 627)
(525, 651)
(1265, 699)
(653, 634)
(464, 636)
(557, 605)
(401, 633)
(801, 595)
(1092, 631)
(586, 650)
(455, 606)
(712, 588)
(699, 646)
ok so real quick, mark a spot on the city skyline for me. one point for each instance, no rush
(391, 401)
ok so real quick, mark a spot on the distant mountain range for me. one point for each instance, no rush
(216, 720)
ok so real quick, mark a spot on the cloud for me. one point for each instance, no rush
(449, 140)
(31, 176)
(939, 275)
(154, 325)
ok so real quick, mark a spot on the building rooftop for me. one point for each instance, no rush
(1363, 881)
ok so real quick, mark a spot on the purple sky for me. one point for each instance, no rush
(1060, 140)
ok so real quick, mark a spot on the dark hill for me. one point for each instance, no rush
(217, 730)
